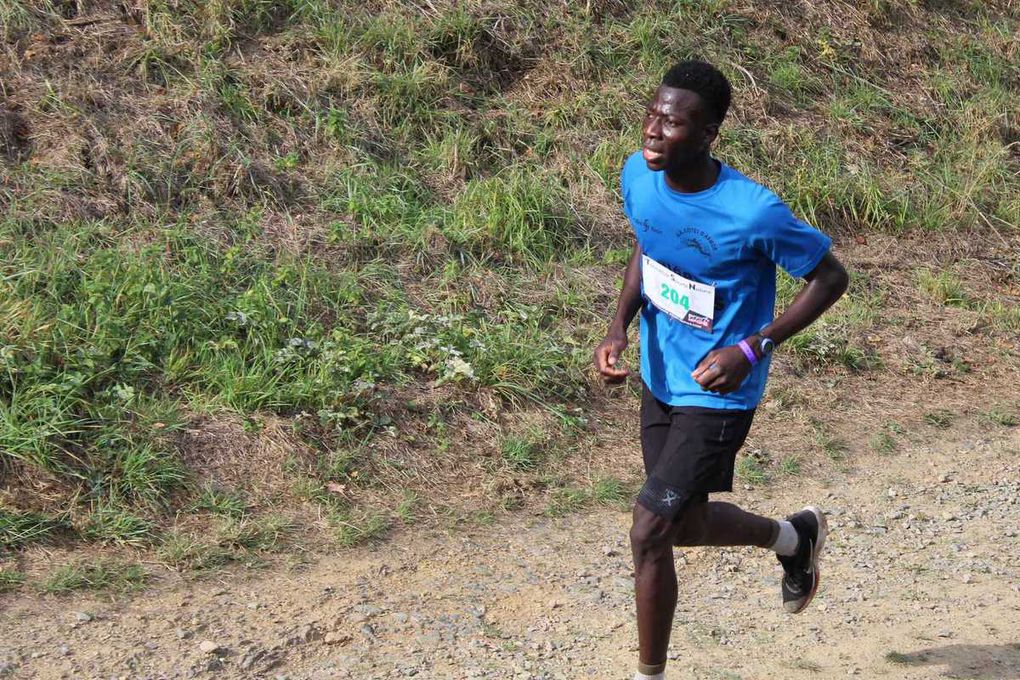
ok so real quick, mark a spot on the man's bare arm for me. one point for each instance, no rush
(627, 305)
(723, 370)
(825, 284)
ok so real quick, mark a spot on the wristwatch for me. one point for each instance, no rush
(766, 344)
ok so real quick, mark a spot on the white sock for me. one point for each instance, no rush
(787, 540)
(651, 671)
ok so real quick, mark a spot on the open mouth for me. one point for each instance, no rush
(650, 155)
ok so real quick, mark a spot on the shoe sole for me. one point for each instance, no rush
(823, 531)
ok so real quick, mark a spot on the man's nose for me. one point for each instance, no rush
(654, 127)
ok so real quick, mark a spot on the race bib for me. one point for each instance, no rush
(689, 302)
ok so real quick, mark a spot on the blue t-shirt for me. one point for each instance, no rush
(731, 235)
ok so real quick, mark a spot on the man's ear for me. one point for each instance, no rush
(711, 132)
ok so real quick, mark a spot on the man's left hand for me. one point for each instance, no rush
(722, 370)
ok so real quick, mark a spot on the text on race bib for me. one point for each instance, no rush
(686, 301)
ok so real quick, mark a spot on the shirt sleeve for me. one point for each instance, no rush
(627, 174)
(791, 243)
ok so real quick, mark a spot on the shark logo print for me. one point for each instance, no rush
(696, 239)
(693, 243)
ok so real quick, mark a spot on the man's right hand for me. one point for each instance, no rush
(607, 357)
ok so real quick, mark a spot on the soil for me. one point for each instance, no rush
(921, 579)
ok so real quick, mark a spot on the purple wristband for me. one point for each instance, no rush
(748, 352)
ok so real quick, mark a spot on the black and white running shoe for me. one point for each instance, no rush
(800, 582)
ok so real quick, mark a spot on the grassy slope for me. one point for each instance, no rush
(371, 246)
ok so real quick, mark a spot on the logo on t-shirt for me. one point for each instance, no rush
(648, 227)
(696, 239)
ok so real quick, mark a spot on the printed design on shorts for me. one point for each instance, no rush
(696, 239)
(670, 498)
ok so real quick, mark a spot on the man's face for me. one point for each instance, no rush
(677, 129)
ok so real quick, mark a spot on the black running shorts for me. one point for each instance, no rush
(689, 452)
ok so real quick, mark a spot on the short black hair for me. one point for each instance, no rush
(704, 79)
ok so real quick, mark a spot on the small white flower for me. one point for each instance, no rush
(455, 366)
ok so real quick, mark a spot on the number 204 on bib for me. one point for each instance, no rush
(689, 302)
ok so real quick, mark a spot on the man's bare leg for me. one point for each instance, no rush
(655, 582)
(724, 524)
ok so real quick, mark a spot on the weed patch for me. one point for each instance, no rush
(606, 491)
(20, 528)
(519, 454)
(357, 528)
(752, 468)
(940, 418)
(567, 500)
(789, 466)
(10, 579)
(1001, 416)
(230, 504)
(101, 575)
(112, 524)
(943, 288)
(833, 447)
(229, 540)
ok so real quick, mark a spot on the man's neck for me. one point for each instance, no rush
(695, 177)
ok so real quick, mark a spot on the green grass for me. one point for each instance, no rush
(112, 524)
(943, 288)
(229, 503)
(18, 16)
(834, 448)
(1005, 317)
(903, 659)
(752, 470)
(789, 466)
(360, 528)
(411, 201)
(883, 442)
(788, 77)
(567, 500)
(1000, 415)
(940, 418)
(20, 528)
(608, 491)
(611, 491)
(10, 579)
(407, 508)
(520, 454)
(230, 540)
(519, 213)
(186, 551)
(832, 341)
(99, 575)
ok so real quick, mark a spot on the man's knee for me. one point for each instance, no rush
(651, 533)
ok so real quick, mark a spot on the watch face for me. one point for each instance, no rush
(767, 346)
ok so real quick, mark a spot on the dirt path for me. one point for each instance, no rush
(921, 580)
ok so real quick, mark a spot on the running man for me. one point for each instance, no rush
(703, 275)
